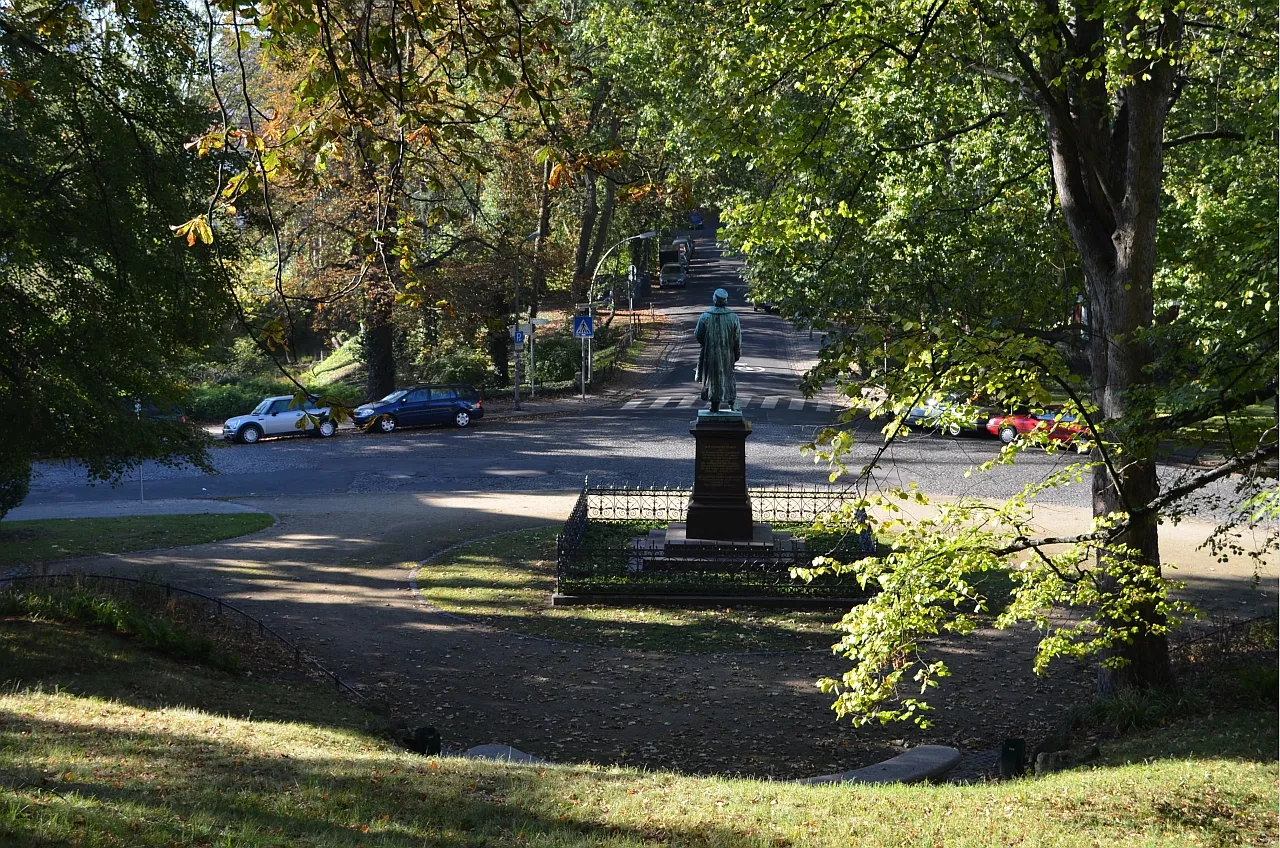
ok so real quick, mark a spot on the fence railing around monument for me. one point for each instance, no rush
(616, 543)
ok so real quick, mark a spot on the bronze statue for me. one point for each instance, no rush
(719, 333)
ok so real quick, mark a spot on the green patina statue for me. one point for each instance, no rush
(719, 332)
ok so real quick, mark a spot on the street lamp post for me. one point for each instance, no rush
(591, 289)
(515, 364)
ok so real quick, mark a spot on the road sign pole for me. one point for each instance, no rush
(515, 383)
(533, 372)
(584, 369)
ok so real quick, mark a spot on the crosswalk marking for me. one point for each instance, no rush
(742, 403)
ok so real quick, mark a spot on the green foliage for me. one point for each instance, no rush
(15, 480)
(460, 366)
(557, 357)
(98, 304)
(218, 403)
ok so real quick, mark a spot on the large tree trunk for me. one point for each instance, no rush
(581, 273)
(539, 246)
(606, 223)
(1108, 168)
(379, 299)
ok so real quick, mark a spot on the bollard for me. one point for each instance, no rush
(1013, 756)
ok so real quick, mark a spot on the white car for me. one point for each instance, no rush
(277, 416)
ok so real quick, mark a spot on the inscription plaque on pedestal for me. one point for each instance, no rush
(719, 508)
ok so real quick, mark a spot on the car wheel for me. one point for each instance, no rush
(386, 424)
(1008, 433)
(462, 418)
(326, 429)
(953, 429)
(248, 434)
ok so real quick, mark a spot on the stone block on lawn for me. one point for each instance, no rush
(920, 763)
(502, 752)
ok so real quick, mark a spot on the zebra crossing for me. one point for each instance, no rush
(744, 403)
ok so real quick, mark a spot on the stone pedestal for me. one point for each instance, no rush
(719, 508)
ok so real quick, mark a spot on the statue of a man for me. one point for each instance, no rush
(719, 332)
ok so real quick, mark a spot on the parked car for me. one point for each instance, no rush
(279, 416)
(672, 276)
(763, 306)
(456, 404)
(684, 244)
(1060, 427)
(695, 220)
(934, 410)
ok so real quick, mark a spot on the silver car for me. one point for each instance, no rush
(278, 416)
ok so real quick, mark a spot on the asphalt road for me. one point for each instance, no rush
(643, 441)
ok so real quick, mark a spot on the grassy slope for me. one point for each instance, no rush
(60, 538)
(102, 762)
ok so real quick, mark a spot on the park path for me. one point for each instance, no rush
(333, 575)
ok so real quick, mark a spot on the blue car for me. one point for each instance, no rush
(457, 404)
(695, 220)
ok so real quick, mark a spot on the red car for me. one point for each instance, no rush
(1060, 427)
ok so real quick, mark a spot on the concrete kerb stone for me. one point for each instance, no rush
(920, 763)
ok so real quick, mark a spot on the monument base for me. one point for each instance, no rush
(719, 508)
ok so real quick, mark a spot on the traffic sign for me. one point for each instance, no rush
(582, 327)
(538, 322)
(519, 337)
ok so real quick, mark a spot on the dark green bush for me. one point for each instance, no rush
(557, 358)
(15, 481)
(460, 366)
(217, 403)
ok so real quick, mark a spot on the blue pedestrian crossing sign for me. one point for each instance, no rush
(582, 328)
(519, 337)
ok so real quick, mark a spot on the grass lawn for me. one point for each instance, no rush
(507, 582)
(61, 538)
(104, 744)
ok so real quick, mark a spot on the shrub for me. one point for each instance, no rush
(557, 358)
(15, 481)
(460, 366)
(217, 403)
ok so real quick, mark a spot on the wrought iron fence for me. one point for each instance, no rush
(615, 543)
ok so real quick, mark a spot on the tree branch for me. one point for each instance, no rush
(1203, 136)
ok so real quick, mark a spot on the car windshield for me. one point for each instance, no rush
(671, 269)
(394, 396)
(261, 408)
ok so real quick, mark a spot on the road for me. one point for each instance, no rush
(643, 440)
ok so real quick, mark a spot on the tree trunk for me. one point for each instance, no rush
(581, 273)
(539, 245)
(379, 299)
(606, 222)
(1108, 168)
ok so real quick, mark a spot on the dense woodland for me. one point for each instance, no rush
(1012, 202)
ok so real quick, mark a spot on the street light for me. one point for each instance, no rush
(515, 365)
(591, 289)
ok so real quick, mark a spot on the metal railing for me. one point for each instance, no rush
(614, 543)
